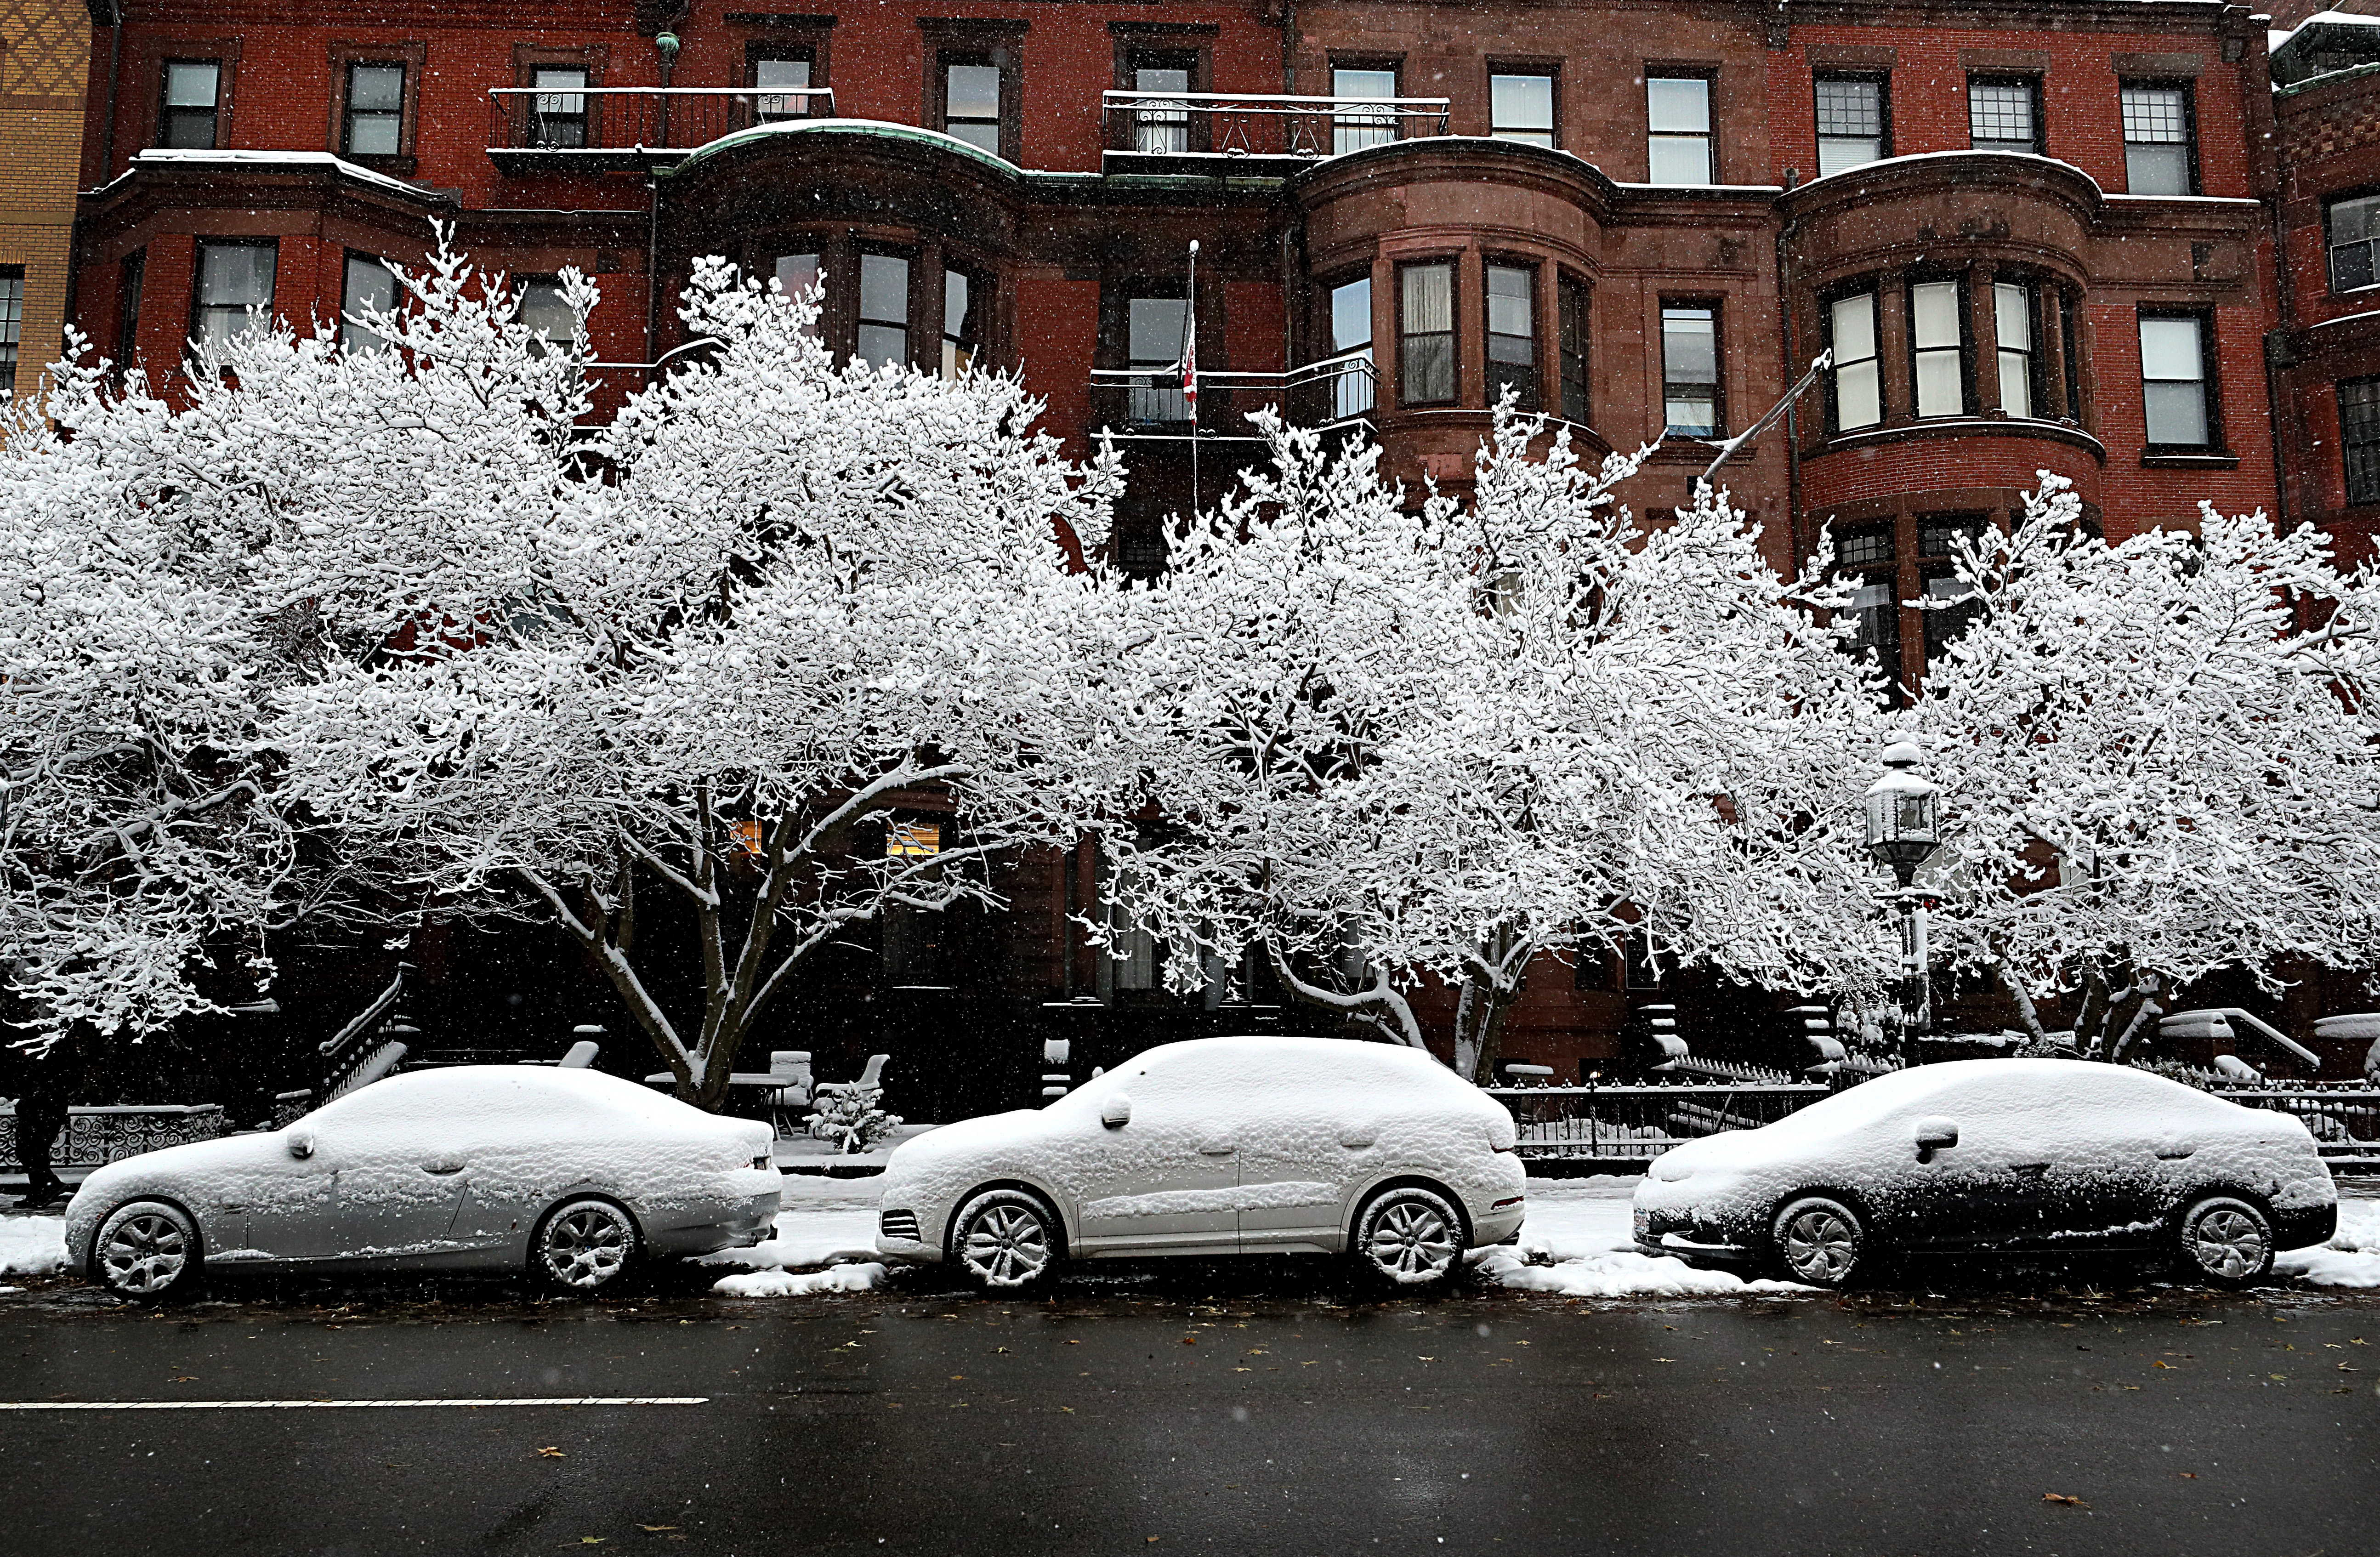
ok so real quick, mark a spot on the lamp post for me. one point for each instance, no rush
(1904, 824)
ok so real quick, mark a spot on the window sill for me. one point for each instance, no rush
(2212, 459)
(394, 167)
(1990, 425)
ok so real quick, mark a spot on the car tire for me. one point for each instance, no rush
(2226, 1241)
(147, 1251)
(1410, 1237)
(1819, 1241)
(1007, 1240)
(583, 1245)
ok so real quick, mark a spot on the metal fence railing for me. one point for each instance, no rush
(1636, 1122)
(2342, 1116)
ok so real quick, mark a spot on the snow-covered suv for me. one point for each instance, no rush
(1219, 1145)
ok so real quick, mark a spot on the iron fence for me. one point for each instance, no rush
(2342, 1116)
(1636, 1122)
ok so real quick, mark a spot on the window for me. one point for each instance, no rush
(2158, 152)
(2358, 437)
(1858, 398)
(2173, 382)
(1513, 335)
(1425, 325)
(2012, 319)
(1522, 108)
(1937, 339)
(128, 310)
(370, 284)
(545, 310)
(1689, 369)
(559, 109)
(187, 118)
(233, 279)
(2354, 230)
(1946, 621)
(1678, 143)
(12, 325)
(2004, 113)
(797, 277)
(780, 73)
(1354, 130)
(1162, 126)
(2070, 356)
(971, 100)
(375, 111)
(1937, 534)
(1156, 331)
(963, 318)
(1852, 125)
(1350, 335)
(1573, 301)
(883, 309)
(1875, 603)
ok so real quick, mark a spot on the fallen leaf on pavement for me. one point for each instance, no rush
(2060, 1497)
(552, 1452)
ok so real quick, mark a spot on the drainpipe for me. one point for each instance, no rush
(1792, 415)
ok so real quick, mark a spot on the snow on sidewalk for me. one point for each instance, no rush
(33, 1245)
(1583, 1226)
(821, 1222)
(2351, 1257)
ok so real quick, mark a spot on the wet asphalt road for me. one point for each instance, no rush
(1214, 1409)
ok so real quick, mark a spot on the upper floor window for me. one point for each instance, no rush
(375, 110)
(235, 288)
(1572, 299)
(883, 309)
(1937, 342)
(1155, 340)
(1163, 125)
(1520, 107)
(1426, 327)
(187, 118)
(2359, 438)
(1354, 130)
(1852, 128)
(1858, 399)
(971, 100)
(797, 277)
(1351, 337)
(2353, 226)
(1513, 335)
(963, 319)
(2015, 323)
(2178, 410)
(1678, 142)
(2004, 113)
(369, 284)
(548, 313)
(559, 106)
(1689, 369)
(12, 325)
(788, 75)
(2159, 141)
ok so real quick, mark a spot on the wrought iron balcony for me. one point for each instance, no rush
(605, 129)
(1147, 403)
(1252, 135)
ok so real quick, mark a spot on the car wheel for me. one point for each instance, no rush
(583, 1245)
(2226, 1241)
(1411, 1236)
(1819, 1241)
(1005, 1239)
(146, 1250)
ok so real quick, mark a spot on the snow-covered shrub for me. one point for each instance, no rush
(852, 1117)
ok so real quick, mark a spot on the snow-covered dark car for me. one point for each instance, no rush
(1219, 1145)
(567, 1174)
(1995, 1156)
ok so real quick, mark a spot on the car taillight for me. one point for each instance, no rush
(1514, 1147)
(1509, 1200)
(762, 1161)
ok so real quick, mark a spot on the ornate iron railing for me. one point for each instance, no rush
(1636, 1122)
(1220, 134)
(603, 128)
(1149, 403)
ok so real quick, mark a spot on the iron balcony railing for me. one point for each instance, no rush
(1148, 402)
(603, 128)
(1254, 134)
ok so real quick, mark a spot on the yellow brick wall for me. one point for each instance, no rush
(45, 57)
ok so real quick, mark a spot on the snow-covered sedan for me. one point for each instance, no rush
(1995, 1155)
(569, 1174)
(1218, 1146)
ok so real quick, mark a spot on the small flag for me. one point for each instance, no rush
(1190, 365)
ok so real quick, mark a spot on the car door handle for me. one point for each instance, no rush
(2030, 1167)
(443, 1166)
(1215, 1148)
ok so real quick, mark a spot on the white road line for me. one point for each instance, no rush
(335, 1405)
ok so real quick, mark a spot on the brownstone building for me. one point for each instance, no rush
(2034, 237)
(44, 65)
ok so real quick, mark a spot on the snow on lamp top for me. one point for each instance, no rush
(1903, 811)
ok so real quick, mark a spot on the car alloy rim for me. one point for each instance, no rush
(145, 1253)
(1007, 1246)
(1411, 1239)
(2228, 1242)
(1820, 1244)
(586, 1247)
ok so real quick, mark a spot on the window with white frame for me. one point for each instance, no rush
(1353, 129)
(369, 284)
(2014, 321)
(235, 291)
(1937, 340)
(2159, 157)
(1851, 124)
(1678, 139)
(883, 310)
(1520, 107)
(2178, 410)
(2004, 113)
(1858, 398)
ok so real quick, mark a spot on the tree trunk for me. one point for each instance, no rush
(1380, 1005)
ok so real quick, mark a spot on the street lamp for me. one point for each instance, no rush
(1904, 825)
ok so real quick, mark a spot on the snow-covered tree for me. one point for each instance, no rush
(2159, 758)
(1451, 737)
(784, 605)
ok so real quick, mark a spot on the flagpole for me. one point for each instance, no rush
(1190, 373)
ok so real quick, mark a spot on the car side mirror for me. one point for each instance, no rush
(1933, 1134)
(301, 1144)
(1117, 1114)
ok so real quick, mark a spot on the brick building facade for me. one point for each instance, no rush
(2036, 238)
(44, 65)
